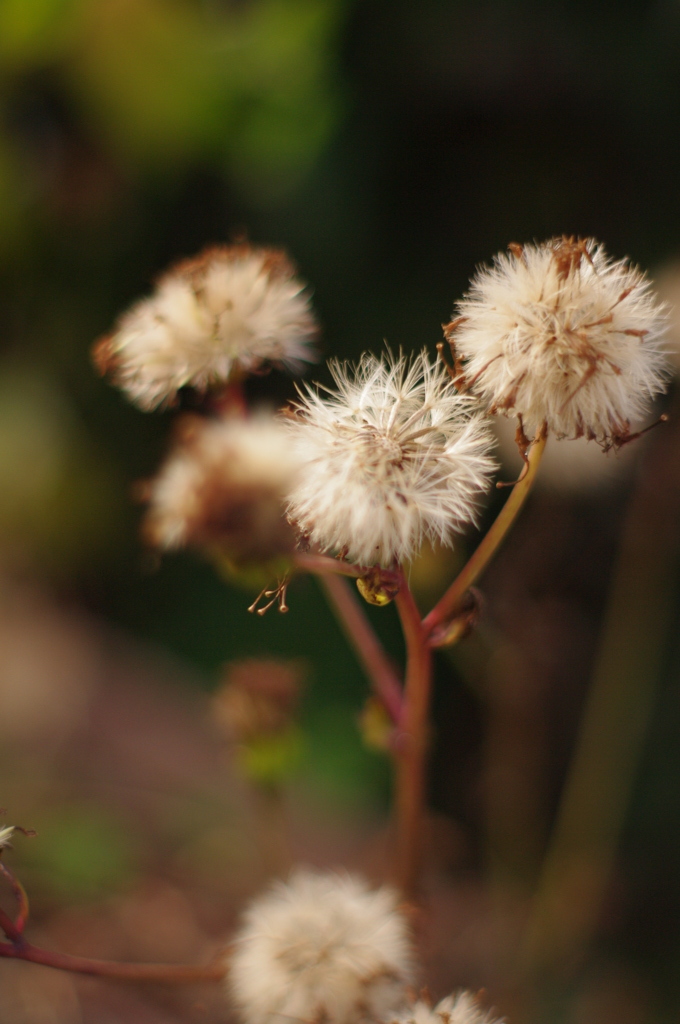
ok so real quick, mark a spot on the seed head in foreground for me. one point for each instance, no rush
(459, 1008)
(561, 334)
(394, 455)
(321, 947)
(231, 308)
(222, 489)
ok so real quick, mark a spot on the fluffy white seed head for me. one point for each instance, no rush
(231, 308)
(394, 455)
(460, 1008)
(6, 833)
(561, 334)
(223, 487)
(321, 947)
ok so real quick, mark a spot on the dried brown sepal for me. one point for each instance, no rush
(104, 357)
(462, 624)
(275, 262)
(458, 375)
(568, 254)
(624, 437)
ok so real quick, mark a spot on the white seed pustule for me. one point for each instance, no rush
(561, 334)
(394, 455)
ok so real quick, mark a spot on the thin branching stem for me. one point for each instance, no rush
(178, 974)
(452, 601)
(367, 647)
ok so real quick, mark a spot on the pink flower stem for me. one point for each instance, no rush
(412, 743)
(452, 601)
(178, 974)
(322, 565)
(368, 649)
(22, 902)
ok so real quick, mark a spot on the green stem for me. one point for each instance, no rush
(452, 601)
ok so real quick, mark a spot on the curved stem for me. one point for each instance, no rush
(166, 973)
(368, 649)
(452, 600)
(322, 565)
(413, 742)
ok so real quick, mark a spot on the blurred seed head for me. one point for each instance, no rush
(222, 488)
(321, 947)
(460, 1008)
(231, 309)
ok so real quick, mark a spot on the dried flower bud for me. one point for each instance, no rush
(231, 308)
(222, 488)
(321, 947)
(259, 697)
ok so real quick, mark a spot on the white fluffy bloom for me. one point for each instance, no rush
(232, 307)
(6, 833)
(321, 947)
(223, 486)
(459, 1008)
(395, 455)
(561, 334)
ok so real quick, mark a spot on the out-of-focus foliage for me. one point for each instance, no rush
(158, 83)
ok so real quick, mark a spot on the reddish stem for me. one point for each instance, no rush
(322, 565)
(413, 742)
(179, 974)
(370, 652)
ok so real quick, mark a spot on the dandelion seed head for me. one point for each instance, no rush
(394, 455)
(232, 308)
(6, 833)
(560, 333)
(460, 1008)
(223, 486)
(321, 947)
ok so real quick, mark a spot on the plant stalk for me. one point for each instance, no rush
(178, 974)
(412, 743)
(451, 603)
(368, 649)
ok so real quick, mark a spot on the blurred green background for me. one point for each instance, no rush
(390, 147)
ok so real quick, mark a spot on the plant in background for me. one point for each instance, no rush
(558, 335)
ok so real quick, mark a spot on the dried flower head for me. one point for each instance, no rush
(459, 1008)
(321, 947)
(561, 334)
(230, 308)
(394, 455)
(222, 489)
